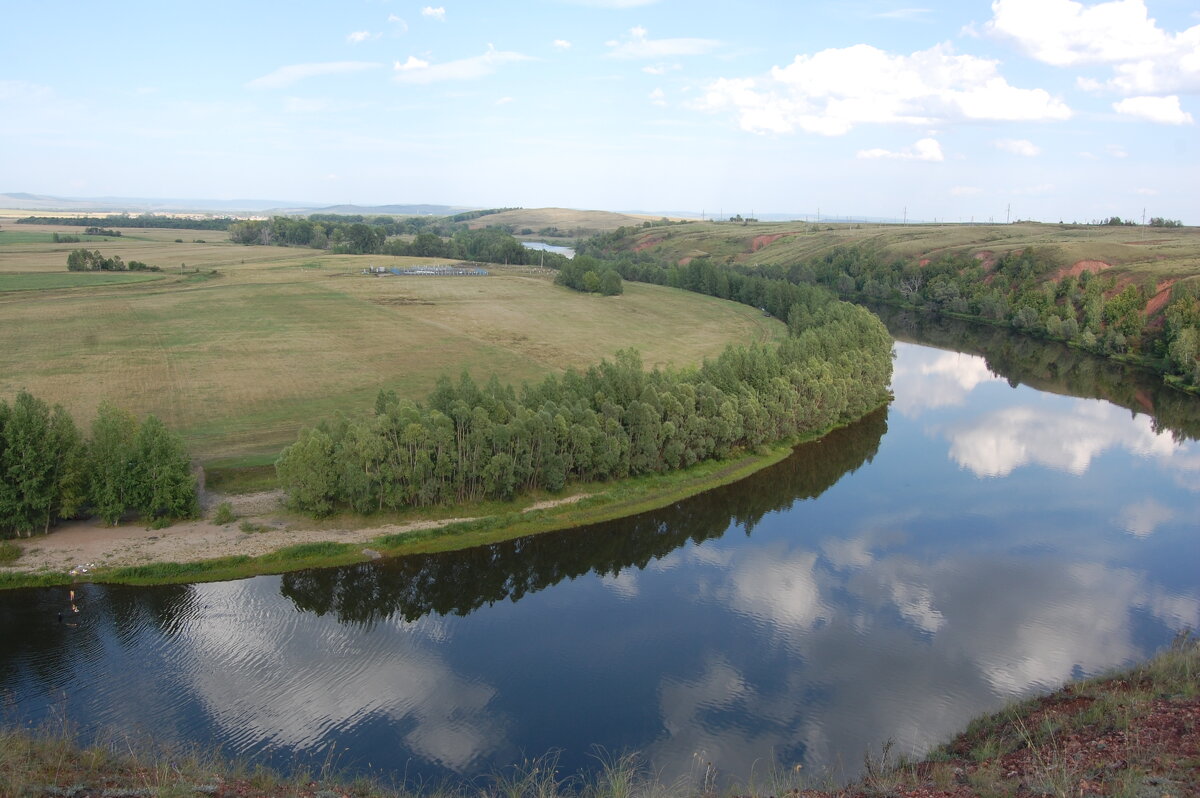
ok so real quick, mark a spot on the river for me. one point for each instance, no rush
(978, 541)
(544, 247)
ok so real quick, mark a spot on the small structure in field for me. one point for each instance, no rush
(461, 270)
(441, 271)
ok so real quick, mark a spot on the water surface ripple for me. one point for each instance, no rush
(980, 540)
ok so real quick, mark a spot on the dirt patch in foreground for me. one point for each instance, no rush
(92, 544)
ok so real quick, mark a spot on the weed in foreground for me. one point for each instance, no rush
(9, 552)
(224, 514)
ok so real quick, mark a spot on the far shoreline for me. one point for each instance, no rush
(266, 538)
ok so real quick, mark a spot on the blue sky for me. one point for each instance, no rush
(946, 110)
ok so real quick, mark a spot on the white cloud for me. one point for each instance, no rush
(562, 44)
(1146, 192)
(1143, 518)
(658, 97)
(504, 101)
(1018, 147)
(1116, 151)
(925, 379)
(417, 71)
(412, 63)
(19, 90)
(360, 36)
(612, 3)
(923, 150)
(998, 443)
(398, 22)
(832, 91)
(903, 13)
(661, 69)
(639, 45)
(1065, 33)
(438, 13)
(1164, 110)
(287, 75)
(965, 191)
(1146, 59)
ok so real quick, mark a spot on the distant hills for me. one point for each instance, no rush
(21, 200)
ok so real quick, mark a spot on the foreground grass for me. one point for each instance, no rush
(1134, 733)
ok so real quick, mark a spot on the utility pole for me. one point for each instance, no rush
(1143, 217)
(1008, 213)
(906, 214)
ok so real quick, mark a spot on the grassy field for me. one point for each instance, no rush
(248, 344)
(40, 281)
(570, 223)
(1160, 253)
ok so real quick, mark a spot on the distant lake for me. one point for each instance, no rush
(568, 251)
(977, 541)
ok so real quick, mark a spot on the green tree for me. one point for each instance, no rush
(307, 469)
(112, 457)
(610, 283)
(40, 465)
(163, 484)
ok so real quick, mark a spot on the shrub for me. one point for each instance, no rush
(224, 514)
(9, 552)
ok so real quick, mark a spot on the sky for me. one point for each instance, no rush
(926, 109)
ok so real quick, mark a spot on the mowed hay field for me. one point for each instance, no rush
(277, 339)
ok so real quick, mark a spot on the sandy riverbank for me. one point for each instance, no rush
(93, 544)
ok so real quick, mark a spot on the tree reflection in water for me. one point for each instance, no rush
(459, 582)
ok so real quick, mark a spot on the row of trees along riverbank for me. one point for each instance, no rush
(468, 442)
(50, 472)
(1027, 290)
(440, 238)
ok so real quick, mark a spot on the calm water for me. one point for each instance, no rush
(974, 543)
(540, 245)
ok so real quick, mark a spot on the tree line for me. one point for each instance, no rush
(460, 582)
(418, 237)
(1019, 291)
(91, 260)
(590, 276)
(125, 220)
(467, 441)
(50, 472)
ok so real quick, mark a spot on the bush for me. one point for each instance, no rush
(224, 514)
(9, 552)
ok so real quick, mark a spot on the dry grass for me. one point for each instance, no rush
(569, 222)
(279, 338)
(1156, 253)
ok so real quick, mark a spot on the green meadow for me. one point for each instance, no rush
(239, 347)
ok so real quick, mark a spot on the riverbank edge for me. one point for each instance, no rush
(1133, 732)
(1148, 363)
(600, 502)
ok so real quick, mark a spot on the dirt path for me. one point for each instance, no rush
(92, 544)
